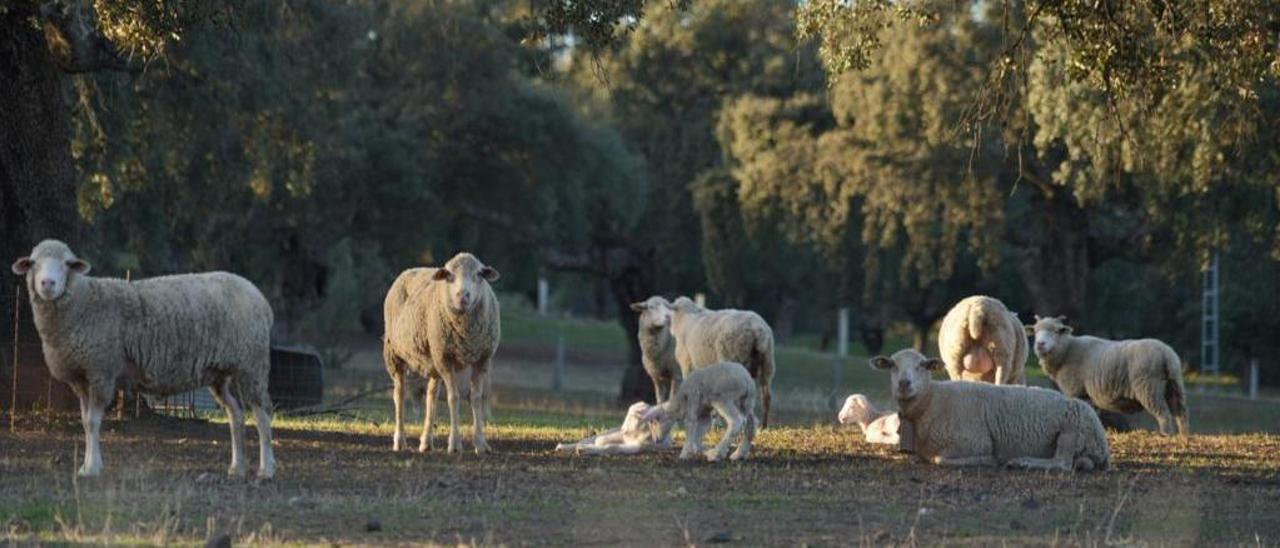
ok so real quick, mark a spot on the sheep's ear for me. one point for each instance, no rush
(881, 362)
(1062, 319)
(490, 273)
(639, 307)
(1037, 317)
(442, 274)
(21, 266)
(932, 364)
(79, 265)
(1064, 330)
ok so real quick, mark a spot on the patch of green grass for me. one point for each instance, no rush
(521, 325)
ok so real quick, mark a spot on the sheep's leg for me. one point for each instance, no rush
(733, 428)
(97, 406)
(397, 397)
(451, 391)
(766, 397)
(984, 460)
(92, 464)
(695, 429)
(1034, 463)
(1152, 400)
(479, 397)
(266, 454)
(657, 392)
(748, 435)
(235, 416)
(425, 443)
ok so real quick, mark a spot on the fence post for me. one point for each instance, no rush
(557, 375)
(1253, 379)
(543, 295)
(842, 351)
(13, 391)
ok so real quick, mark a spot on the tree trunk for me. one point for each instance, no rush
(784, 318)
(632, 283)
(37, 176)
(1054, 258)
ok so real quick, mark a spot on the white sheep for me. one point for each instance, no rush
(704, 337)
(980, 340)
(157, 336)
(960, 423)
(658, 347)
(1120, 376)
(634, 436)
(725, 388)
(878, 426)
(439, 322)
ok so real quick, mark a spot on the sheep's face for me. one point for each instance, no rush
(49, 268)
(911, 372)
(466, 276)
(1050, 333)
(634, 422)
(655, 314)
(856, 410)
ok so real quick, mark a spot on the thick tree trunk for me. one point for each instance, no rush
(633, 282)
(37, 176)
(1054, 258)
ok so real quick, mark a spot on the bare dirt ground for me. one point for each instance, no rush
(340, 483)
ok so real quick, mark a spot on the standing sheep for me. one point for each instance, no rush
(725, 388)
(441, 321)
(704, 337)
(980, 340)
(158, 336)
(978, 424)
(1120, 376)
(657, 347)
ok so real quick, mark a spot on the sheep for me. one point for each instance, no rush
(727, 389)
(1120, 376)
(959, 423)
(877, 426)
(980, 340)
(158, 336)
(634, 436)
(657, 347)
(704, 337)
(440, 321)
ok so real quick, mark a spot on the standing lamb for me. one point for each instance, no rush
(657, 347)
(978, 424)
(441, 321)
(159, 336)
(704, 337)
(1120, 376)
(725, 388)
(980, 340)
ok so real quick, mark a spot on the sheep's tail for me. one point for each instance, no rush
(761, 368)
(977, 317)
(1174, 393)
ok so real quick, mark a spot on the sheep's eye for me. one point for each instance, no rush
(1062, 331)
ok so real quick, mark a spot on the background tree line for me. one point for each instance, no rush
(891, 159)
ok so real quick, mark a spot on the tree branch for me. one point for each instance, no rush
(76, 42)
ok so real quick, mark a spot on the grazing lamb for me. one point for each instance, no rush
(978, 424)
(634, 436)
(158, 336)
(704, 337)
(657, 347)
(441, 321)
(980, 340)
(725, 388)
(1120, 376)
(877, 426)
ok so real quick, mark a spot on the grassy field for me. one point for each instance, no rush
(808, 483)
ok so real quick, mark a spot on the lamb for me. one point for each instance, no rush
(704, 337)
(440, 321)
(961, 423)
(657, 347)
(158, 336)
(877, 426)
(980, 340)
(727, 389)
(634, 436)
(1121, 376)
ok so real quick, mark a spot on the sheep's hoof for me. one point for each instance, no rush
(712, 455)
(87, 471)
(398, 443)
(738, 456)
(686, 455)
(236, 471)
(483, 448)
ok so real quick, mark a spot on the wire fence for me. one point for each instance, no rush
(27, 388)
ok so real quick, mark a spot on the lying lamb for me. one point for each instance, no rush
(704, 337)
(158, 336)
(877, 425)
(634, 436)
(1121, 376)
(725, 388)
(440, 322)
(980, 340)
(977, 424)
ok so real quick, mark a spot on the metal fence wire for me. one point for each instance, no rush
(26, 387)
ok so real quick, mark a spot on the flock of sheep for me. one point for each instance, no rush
(176, 333)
